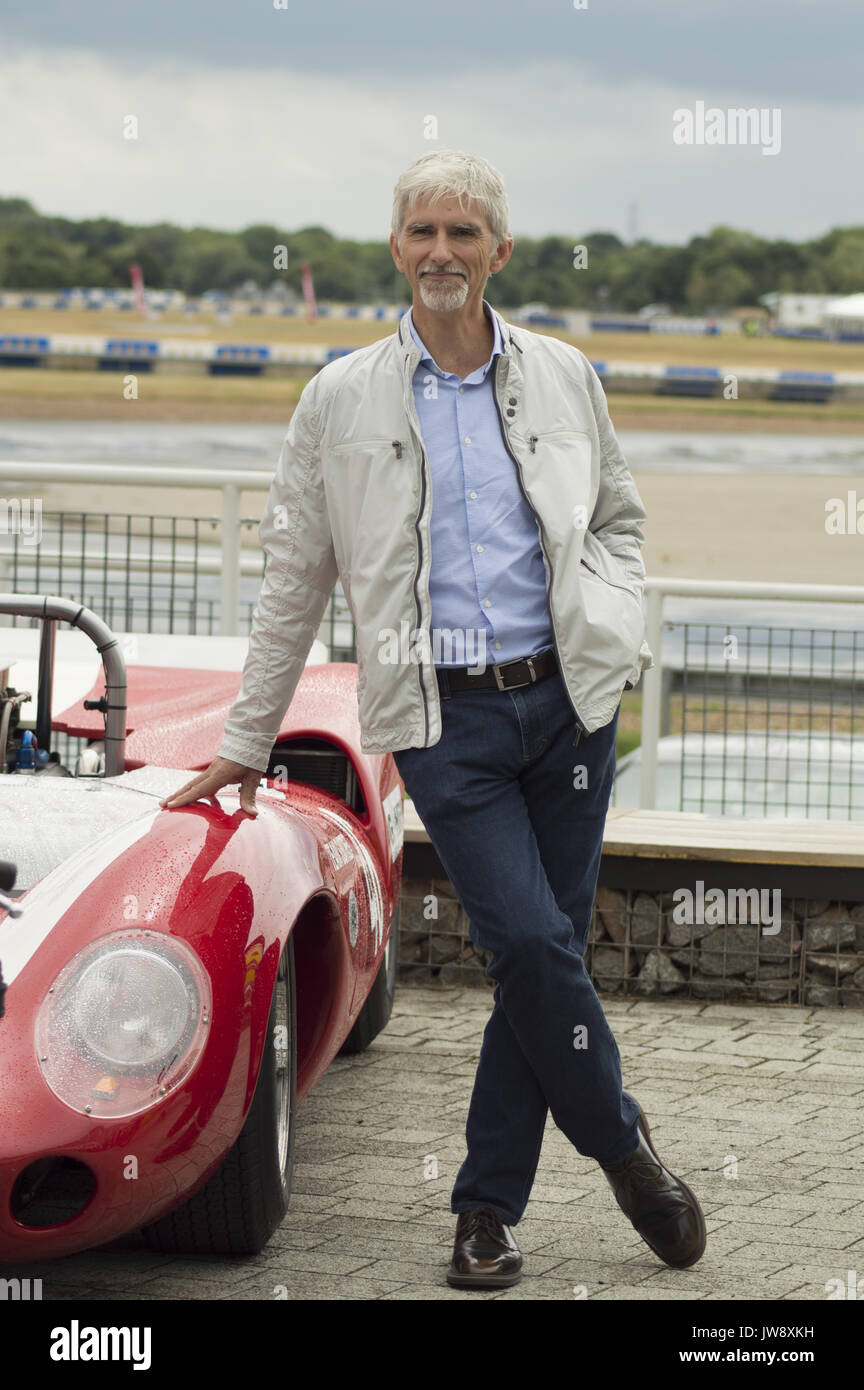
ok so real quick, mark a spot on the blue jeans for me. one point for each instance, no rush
(518, 828)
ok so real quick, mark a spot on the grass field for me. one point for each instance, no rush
(723, 350)
(87, 394)
(28, 393)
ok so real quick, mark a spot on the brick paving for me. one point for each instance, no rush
(759, 1108)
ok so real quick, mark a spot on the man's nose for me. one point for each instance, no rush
(441, 251)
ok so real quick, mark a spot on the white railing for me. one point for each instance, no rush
(232, 563)
(230, 483)
(656, 590)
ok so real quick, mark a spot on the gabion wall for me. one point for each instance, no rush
(638, 947)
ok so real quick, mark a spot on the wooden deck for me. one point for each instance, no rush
(727, 839)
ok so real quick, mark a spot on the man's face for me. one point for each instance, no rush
(448, 252)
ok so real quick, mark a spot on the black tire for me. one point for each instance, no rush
(240, 1206)
(375, 1013)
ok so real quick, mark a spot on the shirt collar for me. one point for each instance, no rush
(497, 344)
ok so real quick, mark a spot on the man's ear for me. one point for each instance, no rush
(503, 252)
(394, 252)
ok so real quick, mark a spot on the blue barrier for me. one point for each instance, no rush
(804, 386)
(239, 359)
(546, 320)
(333, 353)
(687, 371)
(616, 326)
(131, 347)
(821, 333)
(24, 342)
(22, 350)
(242, 352)
(690, 381)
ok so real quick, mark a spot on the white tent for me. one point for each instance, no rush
(846, 315)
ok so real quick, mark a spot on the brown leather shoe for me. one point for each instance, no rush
(485, 1255)
(660, 1206)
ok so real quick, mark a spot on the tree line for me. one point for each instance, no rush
(721, 270)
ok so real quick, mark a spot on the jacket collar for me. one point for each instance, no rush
(409, 348)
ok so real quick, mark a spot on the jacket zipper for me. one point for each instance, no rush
(354, 446)
(534, 439)
(397, 445)
(581, 728)
(610, 582)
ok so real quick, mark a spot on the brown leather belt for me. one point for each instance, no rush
(510, 675)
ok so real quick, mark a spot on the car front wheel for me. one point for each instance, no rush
(240, 1206)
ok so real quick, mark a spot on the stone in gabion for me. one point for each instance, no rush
(682, 933)
(719, 989)
(775, 970)
(443, 949)
(785, 943)
(659, 975)
(833, 965)
(729, 950)
(608, 968)
(821, 994)
(774, 991)
(831, 928)
(646, 921)
(611, 912)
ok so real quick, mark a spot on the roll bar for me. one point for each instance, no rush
(49, 609)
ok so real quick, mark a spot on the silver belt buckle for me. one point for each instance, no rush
(517, 685)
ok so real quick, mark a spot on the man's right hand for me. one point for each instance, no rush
(221, 773)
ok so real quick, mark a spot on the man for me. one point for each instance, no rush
(462, 477)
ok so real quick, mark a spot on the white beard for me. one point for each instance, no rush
(444, 298)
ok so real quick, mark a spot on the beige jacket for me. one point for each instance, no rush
(351, 498)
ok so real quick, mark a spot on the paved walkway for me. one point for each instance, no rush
(761, 1109)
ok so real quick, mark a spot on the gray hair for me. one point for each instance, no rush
(447, 174)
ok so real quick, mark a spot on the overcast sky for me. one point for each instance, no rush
(247, 113)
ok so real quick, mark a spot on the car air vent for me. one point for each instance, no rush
(317, 762)
(51, 1191)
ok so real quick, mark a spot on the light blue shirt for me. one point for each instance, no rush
(487, 580)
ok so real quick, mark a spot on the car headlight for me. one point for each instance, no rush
(123, 1023)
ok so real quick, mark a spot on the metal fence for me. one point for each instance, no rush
(757, 720)
(746, 719)
(150, 574)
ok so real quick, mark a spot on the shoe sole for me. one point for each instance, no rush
(699, 1252)
(483, 1281)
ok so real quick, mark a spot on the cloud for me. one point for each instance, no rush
(229, 148)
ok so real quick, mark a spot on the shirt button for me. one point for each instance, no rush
(487, 603)
(467, 439)
(479, 547)
(511, 413)
(511, 400)
(497, 646)
(461, 389)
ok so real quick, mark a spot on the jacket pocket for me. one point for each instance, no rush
(362, 446)
(611, 582)
(555, 435)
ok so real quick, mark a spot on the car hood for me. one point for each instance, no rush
(44, 820)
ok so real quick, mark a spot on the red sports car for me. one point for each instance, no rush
(177, 981)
